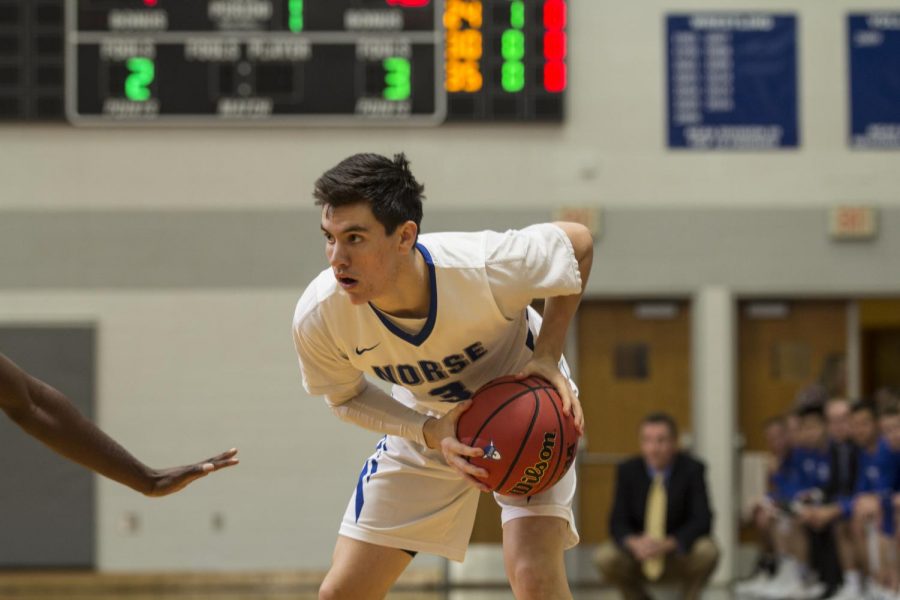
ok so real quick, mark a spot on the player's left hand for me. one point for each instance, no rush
(440, 433)
(549, 370)
(169, 481)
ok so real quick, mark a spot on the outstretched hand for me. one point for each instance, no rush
(548, 369)
(440, 433)
(169, 481)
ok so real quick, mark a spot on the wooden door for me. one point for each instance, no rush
(879, 322)
(784, 347)
(633, 359)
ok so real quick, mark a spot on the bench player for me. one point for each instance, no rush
(437, 316)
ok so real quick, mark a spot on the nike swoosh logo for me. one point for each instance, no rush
(364, 350)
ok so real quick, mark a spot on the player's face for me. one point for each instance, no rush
(837, 414)
(812, 431)
(862, 425)
(362, 256)
(657, 445)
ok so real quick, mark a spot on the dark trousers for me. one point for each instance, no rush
(823, 556)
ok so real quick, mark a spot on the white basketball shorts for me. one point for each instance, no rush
(407, 497)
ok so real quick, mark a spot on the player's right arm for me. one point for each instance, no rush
(327, 372)
(377, 411)
(46, 414)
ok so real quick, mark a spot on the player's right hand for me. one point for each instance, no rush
(440, 433)
(169, 481)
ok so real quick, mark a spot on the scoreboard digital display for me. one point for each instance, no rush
(315, 61)
(505, 59)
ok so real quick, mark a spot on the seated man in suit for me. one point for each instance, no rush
(660, 521)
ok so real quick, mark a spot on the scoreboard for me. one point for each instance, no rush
(315, 61)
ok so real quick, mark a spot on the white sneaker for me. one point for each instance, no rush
(748, 587)
(793, 590)
(847, 592)
(772, 588)
(787, 577)
(810, 591)
(875, 591)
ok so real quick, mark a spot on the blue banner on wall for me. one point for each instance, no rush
(875, 80)
(732, 80)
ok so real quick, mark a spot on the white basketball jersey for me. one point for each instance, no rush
(479, 325)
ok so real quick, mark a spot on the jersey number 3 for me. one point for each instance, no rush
(452, 392)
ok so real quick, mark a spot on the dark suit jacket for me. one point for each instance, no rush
(688, 516)
(842, 484)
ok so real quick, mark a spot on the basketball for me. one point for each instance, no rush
(528, 442)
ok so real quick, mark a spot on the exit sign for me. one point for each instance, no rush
(852, 223)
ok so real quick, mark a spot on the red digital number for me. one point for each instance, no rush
(408, 3)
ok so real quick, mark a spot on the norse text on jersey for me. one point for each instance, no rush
(431, 371)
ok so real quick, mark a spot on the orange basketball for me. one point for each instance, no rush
(528, 442)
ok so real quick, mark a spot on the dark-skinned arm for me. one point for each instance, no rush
(49, 416)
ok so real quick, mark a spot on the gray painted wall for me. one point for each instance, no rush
(640, 251)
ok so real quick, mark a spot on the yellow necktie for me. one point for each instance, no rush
(655, 524)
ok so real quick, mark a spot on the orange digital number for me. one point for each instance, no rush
(465, 44)
(457, 11)
(463, 76)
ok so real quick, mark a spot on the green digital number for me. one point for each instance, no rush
(142, 71)
(517, 14)
(512, 44)
(295, 15)
(512, 76)
(397, 78)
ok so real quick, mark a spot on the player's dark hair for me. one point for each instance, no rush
(864, 405)
(661, 418)
(386, 185)
(815, 394)
(811, 410)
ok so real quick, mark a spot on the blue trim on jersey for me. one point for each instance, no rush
(369, 469)
(529, 339)
(419, 338)
(359, 490)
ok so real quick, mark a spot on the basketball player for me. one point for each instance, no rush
(437, 316)
(49, 416)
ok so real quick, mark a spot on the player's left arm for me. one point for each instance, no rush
(49, 416)
(558, 313)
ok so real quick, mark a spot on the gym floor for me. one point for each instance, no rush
(40, 585)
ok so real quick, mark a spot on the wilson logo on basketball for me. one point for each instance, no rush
(533, 475)
(527, 440)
